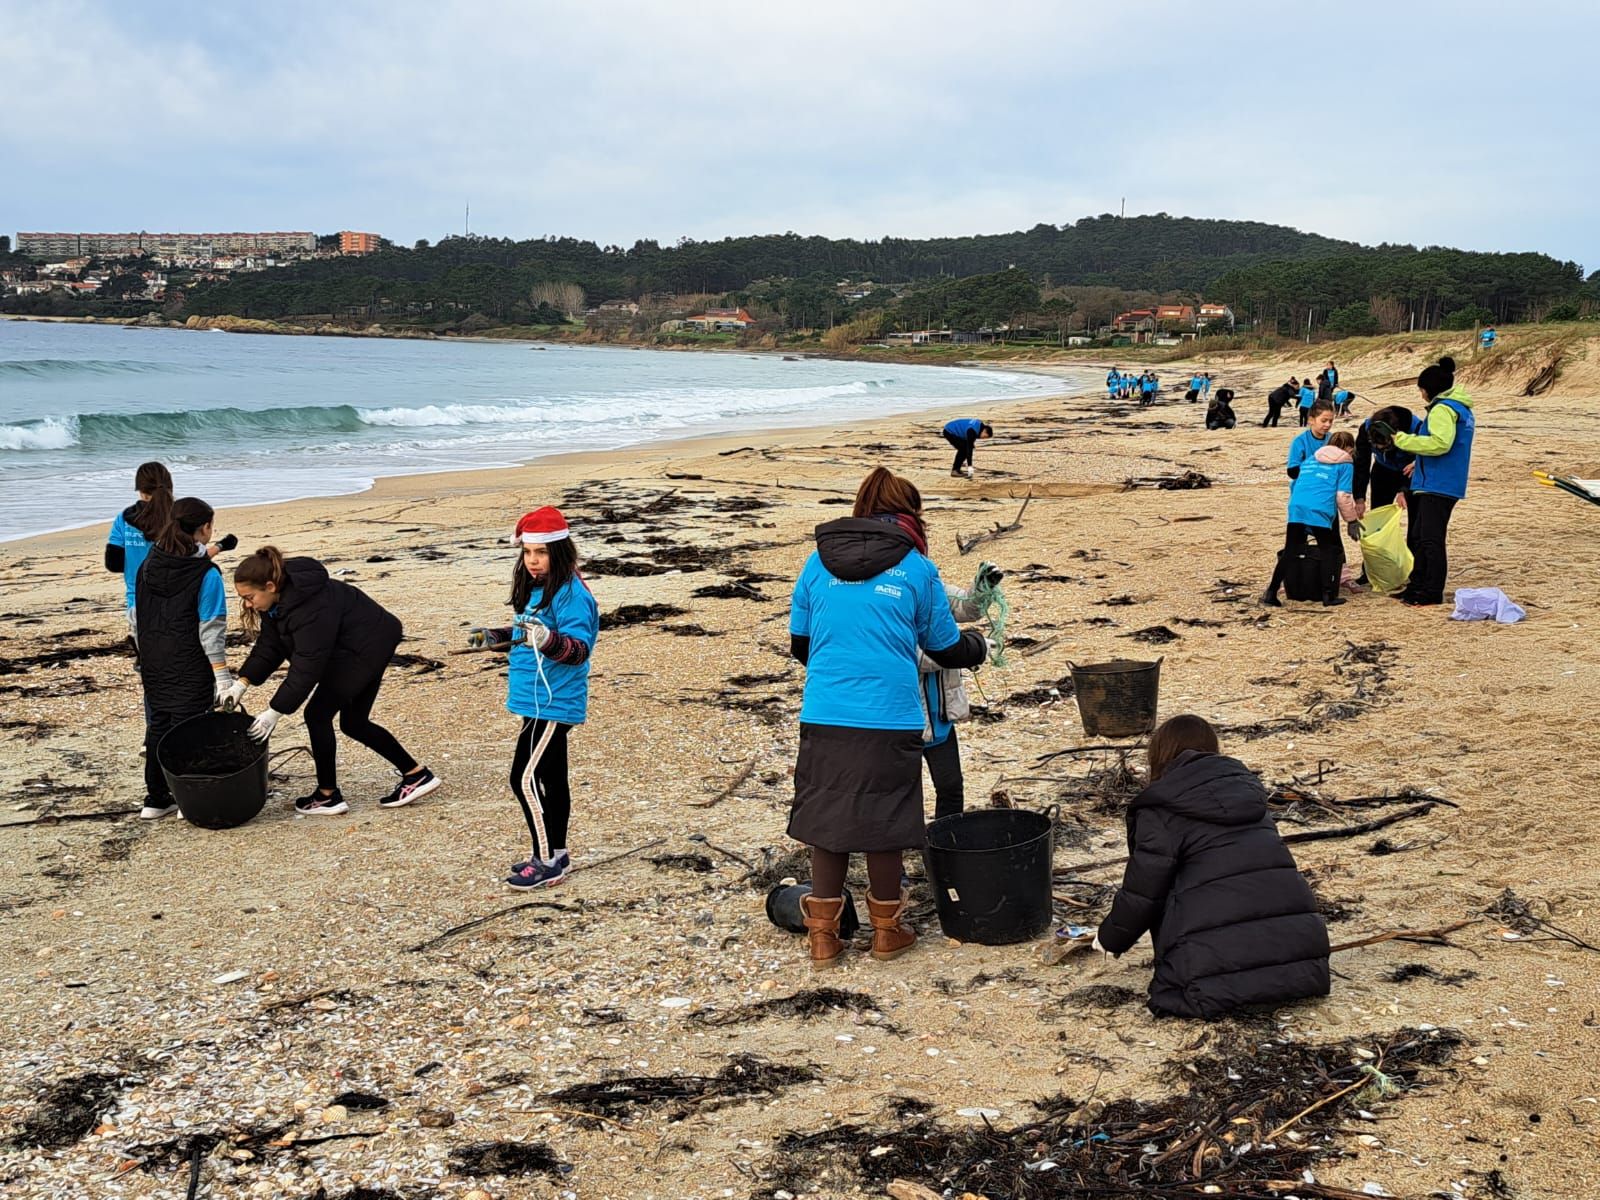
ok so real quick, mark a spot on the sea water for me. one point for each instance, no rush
(250, 419)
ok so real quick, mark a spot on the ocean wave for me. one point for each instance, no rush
(48, 368)
(51, 433)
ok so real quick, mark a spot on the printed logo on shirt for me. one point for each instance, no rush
(889, 589)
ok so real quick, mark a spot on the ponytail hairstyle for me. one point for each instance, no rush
(188, 516)
(1437, 379)
(262, 569)
(154, 480)
(563, 567)
(1174, 736)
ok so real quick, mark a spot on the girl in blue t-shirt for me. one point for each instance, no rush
(136, 529)
(550, 642)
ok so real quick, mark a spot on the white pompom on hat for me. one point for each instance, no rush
(541, 527)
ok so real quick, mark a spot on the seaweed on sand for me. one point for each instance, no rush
(639, 614)
(1223, 1135)
(67, 1109)
(808, 1002)
(506, 1158)
(744, 1077)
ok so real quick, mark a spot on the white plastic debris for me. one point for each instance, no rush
(231, 977)
(989, 1114)
(676, 1002)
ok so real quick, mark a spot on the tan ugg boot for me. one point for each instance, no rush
(891, 936)
(821, 918)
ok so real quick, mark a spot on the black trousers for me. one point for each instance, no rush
(539, 781)
(963, 450)
(1305, 417)
(354, 710)
(1425, 535)
(1328, 547)
(156, 726)
(1386, 484)
(1274, 411)
(944, 767)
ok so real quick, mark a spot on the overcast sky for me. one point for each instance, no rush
(1450, 123)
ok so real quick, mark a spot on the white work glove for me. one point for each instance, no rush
(222, 682)
(232, 696)
(534, 632)
(990, 648)
(261, 728)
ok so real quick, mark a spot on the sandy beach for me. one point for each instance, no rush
(116, 933)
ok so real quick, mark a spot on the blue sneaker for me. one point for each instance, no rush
(536, 874)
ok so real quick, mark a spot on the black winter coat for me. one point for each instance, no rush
(334, 635)
(173, 667)
(1232, 919)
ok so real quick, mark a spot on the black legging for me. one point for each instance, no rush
(1425, 535)
(156, 727)
(539, 780)
(1328, 548)
(355, 721)
(944, 766)
(963, 447)
(1274, 411)
(1305, 416)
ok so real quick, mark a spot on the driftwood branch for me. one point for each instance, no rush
(737, 782)
(999, 530)
(1404, 935)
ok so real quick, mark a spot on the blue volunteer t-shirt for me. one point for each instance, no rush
(1308, 395)
(548, 690)
(1313, 496)
(862, 670)
(1304, 447)
(135, 549)
(213, 597)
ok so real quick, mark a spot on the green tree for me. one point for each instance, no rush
(1352, 320)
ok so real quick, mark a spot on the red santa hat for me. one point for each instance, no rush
(541, 527)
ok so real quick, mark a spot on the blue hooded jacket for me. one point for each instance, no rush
(548, 690)
(964, 427)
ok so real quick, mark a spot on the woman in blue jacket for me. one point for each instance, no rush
(1443, 450)
(556, 626)
(866, 602)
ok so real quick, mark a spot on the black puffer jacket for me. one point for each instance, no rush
(173, 666)
(1232, 919)
(332, 634)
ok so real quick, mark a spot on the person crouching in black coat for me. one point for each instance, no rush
(1233, 921)
(1219, 413)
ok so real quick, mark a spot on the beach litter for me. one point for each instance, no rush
(1486, 604)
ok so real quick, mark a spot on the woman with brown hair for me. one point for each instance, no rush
(1233, 921)
(338, 642)
(866, 602)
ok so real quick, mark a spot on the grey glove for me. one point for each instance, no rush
(261, 728)
(234, 696)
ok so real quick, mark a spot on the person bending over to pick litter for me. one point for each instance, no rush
(1219, 413)
(1443, 450)
(182, 610)
(556, 626)
(338, 642)
(867, 600)
(1232, 920)
(1318, 498)
(1276, 399)
(944, 703)
(963, 433)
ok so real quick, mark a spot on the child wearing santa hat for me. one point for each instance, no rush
(556, 625)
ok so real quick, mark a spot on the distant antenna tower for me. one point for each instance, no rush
(1124, 207)
(466, 223)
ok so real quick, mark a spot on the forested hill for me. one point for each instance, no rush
(1159, 253)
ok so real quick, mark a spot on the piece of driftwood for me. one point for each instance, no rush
(1404, 935)
(999, 530)
(733, 785)
(110, 814)
(907, 1189)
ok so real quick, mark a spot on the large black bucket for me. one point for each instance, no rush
(989, 870)
(1117, 699)
(217, 774)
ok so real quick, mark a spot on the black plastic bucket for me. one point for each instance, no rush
(1117, 699)
(989, 870)
(217, 774)
(783, 909)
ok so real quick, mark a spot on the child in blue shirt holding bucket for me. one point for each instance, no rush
(867, 601)
(181, 606)
(556, 626)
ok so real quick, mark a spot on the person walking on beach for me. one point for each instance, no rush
(1443, 450)
(1232, 920)
(338, 642)
(1327, 381)
(1276, 399)
(557, 623)
(181, 606)
(139, 525)
(963, 433)
(867, 601)
(1488, 337)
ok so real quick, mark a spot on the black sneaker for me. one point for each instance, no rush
(1270, 599)
(318, 805)
(410, 787)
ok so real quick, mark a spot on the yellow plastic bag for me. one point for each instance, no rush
(1384, 551)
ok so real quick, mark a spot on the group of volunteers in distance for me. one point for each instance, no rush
(880, 636)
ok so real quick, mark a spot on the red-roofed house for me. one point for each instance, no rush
(1138, 320)
(1175, 314)
(1212, 314)
(717, 320)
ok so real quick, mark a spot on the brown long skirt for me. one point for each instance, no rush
(858, 790)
